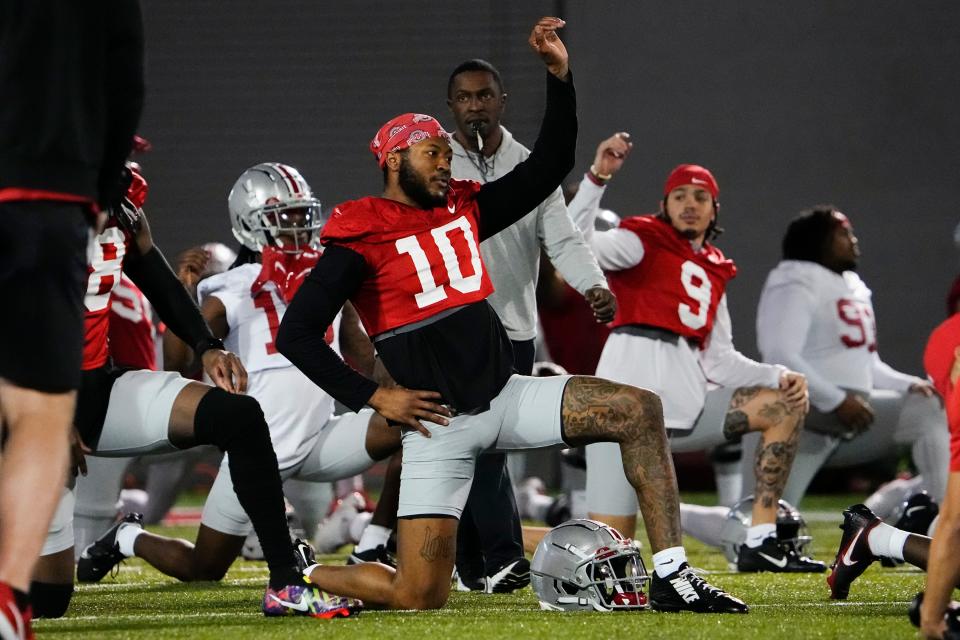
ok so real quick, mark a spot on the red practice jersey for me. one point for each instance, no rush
(131, 333)
(673, 287)
(106, 262)
(421, 262)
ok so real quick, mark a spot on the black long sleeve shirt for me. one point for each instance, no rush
(465, 355)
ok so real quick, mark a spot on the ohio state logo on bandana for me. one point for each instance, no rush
(403, 132)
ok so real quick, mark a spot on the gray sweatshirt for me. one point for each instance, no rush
(512, 256)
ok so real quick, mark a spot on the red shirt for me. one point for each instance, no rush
(131, 330)
(673, 287)
(104, 269)
(421, 262)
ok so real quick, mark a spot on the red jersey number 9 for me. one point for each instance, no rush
(696, 283)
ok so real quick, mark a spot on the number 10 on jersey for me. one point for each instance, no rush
(430, 292)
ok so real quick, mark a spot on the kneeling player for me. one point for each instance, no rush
(125, 413)
(672, 334)
(277, 219)
(411, 265)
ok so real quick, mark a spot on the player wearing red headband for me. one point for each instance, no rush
(410, 263)
(672, 335)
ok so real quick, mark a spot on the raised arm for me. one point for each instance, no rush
(504, 201)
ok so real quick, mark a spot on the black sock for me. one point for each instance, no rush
(50, 600)
(22, 599)
(236, 425)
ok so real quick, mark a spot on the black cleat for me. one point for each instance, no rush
(854, 555)
(101, 556)
(684, 590)
(919, 510)
(509, 577)
(377, 554)
(304, 555)
(777, 557)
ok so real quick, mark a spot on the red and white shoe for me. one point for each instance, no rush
(854, 555)
(14, 622)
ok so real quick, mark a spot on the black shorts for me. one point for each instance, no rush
(43, 275)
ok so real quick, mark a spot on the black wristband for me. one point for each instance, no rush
(206, 344)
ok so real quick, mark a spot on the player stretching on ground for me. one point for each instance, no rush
(125, 413)
(277, 219)
(410, 263)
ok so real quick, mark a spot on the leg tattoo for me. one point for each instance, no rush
(772, 467)
(436, 547)
(596, 410)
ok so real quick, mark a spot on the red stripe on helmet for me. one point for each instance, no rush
(289, 177)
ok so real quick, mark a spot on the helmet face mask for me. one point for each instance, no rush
(583, 565)
(272, 205)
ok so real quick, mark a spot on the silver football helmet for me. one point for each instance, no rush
(271, 204)
(791, 528)
(584, 565)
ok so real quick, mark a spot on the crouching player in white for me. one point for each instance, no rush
(276, 218)
(816, 315)
(672, 334)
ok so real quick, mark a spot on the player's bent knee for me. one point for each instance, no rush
(223, 419)
(421, 600)
(50, 600)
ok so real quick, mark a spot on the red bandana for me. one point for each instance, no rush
(405, 131)
(286, 270)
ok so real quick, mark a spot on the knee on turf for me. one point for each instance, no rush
(50, 600)
(432, 597)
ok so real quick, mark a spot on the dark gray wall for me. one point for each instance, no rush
(789, 104)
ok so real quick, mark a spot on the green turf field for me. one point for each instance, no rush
(139, 602)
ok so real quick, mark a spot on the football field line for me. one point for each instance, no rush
(499, 610)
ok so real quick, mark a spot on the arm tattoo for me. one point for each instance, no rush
(436, 547)
(743, 395)
(735, 425)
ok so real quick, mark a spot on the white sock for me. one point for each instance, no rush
(933, 526)
(538, 506)
(729, 481)
(760, 532)
(373, 536)
(669, 560)
(358, 524)
(126, 535)
(887, 542)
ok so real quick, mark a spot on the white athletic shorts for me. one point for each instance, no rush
(60, 531)
(438, 471)
(608, 491)
(339, 452)
(138, 416)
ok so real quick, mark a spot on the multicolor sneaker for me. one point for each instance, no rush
(14, 621)
(307, 600)
(102, 555)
